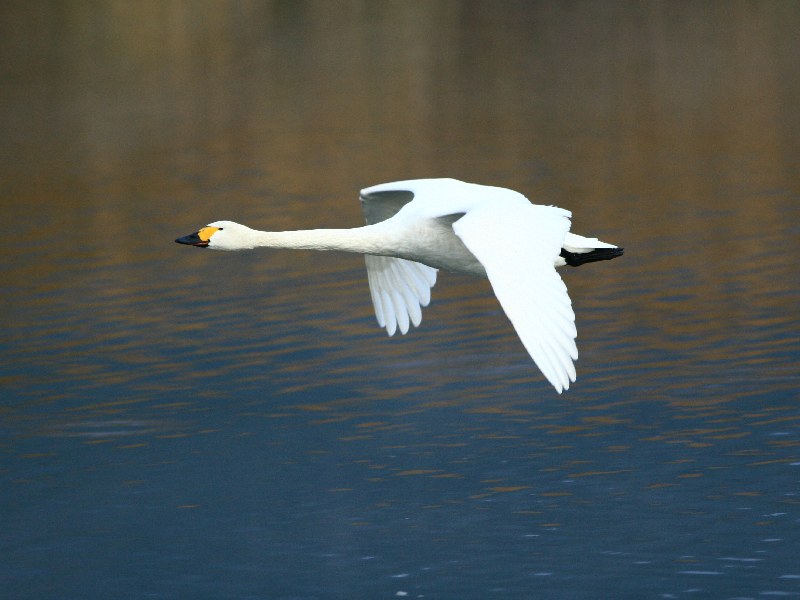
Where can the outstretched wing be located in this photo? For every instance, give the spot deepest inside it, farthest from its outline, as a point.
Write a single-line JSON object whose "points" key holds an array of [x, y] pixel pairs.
{"points": [[518, 245], [399, 287]]}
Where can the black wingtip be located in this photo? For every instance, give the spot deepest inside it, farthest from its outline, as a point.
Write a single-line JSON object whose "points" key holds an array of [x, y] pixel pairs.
{"points": [[575, 259]]}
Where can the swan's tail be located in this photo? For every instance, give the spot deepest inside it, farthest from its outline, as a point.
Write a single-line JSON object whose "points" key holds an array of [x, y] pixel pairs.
{"points": [[579, 250]]}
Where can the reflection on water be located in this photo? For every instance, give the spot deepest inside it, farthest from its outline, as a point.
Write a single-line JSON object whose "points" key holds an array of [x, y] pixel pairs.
{"points": [[178, 423]]}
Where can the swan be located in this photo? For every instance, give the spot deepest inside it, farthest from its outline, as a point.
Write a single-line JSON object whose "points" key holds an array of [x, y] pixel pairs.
{"points": [[414, 228]]}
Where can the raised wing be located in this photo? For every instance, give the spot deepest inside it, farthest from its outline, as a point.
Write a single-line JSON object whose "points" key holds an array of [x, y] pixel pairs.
{"points": [[517, 246], [399, 288]]}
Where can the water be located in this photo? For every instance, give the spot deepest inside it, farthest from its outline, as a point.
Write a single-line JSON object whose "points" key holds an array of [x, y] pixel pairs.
{"points": [[178, 423]]}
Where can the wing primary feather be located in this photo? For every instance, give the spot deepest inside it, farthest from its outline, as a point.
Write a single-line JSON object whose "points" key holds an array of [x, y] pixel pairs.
{"points": [[552, 357], [402, 301], [402, 294], [402, 280], [562, 346], [373, 278], [422, 285], [377, 302], [400, 312], [545, 363], [389, 313]]}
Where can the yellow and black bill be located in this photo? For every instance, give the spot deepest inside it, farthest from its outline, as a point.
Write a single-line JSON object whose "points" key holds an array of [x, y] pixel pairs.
{"points": [[198, 238]]}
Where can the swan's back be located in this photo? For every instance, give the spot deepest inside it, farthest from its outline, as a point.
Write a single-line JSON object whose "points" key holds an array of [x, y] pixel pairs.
{"points": [[433, 198]]}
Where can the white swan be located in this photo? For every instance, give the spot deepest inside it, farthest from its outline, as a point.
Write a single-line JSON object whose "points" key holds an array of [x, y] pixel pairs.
{"points": [[416, 227]]}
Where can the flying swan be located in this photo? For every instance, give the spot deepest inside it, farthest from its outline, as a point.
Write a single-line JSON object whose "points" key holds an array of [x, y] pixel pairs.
{"points": [[416, 227]]}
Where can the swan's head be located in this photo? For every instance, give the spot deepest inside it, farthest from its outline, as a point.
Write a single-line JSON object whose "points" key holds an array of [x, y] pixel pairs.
{"points": [[221, 235]]}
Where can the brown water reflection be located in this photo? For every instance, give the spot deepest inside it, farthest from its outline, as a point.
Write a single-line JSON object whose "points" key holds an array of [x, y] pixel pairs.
{"points": [[242, 423]]}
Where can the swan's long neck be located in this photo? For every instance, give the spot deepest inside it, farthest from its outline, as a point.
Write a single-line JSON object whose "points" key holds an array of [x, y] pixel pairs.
{"points": [[363, 240]]}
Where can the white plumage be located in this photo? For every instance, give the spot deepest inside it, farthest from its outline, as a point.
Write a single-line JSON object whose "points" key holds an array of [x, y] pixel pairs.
{"points": [[416, 227]]}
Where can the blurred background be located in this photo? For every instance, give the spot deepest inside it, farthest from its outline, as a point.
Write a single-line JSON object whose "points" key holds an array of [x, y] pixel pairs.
{"points": [[177, 423]]}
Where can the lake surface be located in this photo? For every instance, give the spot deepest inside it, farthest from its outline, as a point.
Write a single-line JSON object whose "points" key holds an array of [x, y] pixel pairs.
{"points": [[186, 424]]}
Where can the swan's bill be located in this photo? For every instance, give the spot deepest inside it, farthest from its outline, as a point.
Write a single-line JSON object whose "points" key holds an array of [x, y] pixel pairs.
{"points": [[199, 238]]}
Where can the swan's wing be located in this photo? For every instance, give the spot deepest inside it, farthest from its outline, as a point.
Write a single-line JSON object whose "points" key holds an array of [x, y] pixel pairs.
{"points": [[517, 246], [381, 205], [399, 289]]}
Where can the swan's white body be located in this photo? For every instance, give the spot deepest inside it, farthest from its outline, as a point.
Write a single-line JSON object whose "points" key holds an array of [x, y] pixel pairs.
{"points": [[416, 227]]}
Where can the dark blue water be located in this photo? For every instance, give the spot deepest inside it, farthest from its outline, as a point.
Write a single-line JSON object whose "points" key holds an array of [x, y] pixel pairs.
{"points": [[186, 424]]}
